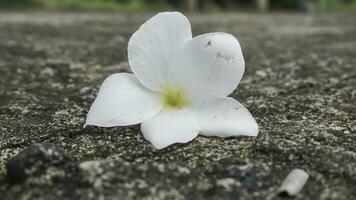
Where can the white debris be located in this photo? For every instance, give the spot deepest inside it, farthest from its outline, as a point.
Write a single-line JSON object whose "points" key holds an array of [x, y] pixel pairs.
{"points": [[294, 182]]}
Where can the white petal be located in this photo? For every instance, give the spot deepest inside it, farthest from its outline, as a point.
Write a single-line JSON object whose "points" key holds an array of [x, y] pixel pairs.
{"points": [[153, 46], [223, 117], [121, 101], [169, 127], [211, 63]]}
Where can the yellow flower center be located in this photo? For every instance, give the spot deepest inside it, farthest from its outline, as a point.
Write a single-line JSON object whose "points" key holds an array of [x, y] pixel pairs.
{"points": [[174, 98]]}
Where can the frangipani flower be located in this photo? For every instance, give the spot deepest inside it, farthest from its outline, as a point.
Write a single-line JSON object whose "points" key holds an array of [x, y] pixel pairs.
{"points": [[179, 85]]}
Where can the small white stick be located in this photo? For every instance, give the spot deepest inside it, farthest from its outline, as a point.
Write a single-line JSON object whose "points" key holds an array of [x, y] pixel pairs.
{"points": [[294, 182]]}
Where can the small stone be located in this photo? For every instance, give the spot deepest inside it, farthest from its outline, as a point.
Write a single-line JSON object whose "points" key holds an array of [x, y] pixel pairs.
{"points": [[228, 183], [261, 73], [34, 161], [88, 93], [47, 72]]}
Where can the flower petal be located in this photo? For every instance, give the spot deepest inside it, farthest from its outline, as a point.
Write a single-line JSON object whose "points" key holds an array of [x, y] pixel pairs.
{"points": [[121, 101], [211, 63], [169, 127], [153, 46], [224, 117]]}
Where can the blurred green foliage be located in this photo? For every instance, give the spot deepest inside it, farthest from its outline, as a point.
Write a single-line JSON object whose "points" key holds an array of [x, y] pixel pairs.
{"points": [[130, 5], [339, 5], [86, 4], [91, 4], [75, 4]]}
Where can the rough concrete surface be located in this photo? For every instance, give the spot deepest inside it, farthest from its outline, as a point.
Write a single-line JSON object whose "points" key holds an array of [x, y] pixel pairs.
{"points": [[299, 84]]}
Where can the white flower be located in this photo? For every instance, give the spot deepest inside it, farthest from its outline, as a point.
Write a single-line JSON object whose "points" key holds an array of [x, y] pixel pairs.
{"points": [[179, 87]]}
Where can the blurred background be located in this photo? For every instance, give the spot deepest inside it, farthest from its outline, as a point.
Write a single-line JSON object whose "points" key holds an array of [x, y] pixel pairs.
{"points": [[187, 5]]}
